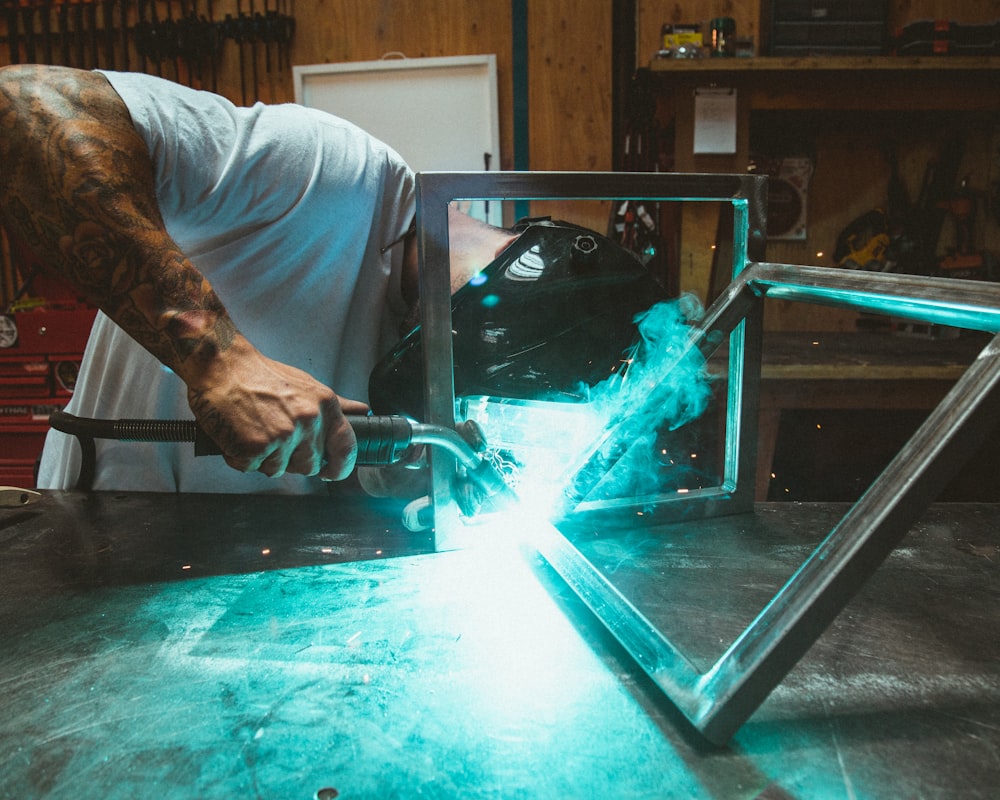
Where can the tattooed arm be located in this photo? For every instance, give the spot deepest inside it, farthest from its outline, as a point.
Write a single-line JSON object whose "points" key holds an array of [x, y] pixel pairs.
{"points": [[76, 184]]}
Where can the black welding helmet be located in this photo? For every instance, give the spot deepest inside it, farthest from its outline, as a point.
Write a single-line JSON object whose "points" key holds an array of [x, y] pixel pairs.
{"points": [[551, 316]]}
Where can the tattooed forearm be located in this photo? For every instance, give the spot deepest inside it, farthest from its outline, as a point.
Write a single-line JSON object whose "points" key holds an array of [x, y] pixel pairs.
{"points": [[76, 185]]}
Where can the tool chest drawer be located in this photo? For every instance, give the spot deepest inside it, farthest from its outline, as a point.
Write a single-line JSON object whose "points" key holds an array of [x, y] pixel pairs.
{"points": [[39, 365], [23, 426]]}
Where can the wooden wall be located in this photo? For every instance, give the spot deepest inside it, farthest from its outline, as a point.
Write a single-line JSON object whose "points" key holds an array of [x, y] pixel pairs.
{"points": [[569, 66], [569, 62], [569, 51]]}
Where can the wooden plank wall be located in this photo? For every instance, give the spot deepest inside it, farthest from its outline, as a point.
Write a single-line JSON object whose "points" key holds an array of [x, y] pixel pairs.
{"points": [[569, 67], [569, 62], [569, 59]]}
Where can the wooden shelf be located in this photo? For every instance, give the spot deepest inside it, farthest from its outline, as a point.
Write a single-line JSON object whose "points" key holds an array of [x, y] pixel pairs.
{"points": [[946, 64], [858, 83]]}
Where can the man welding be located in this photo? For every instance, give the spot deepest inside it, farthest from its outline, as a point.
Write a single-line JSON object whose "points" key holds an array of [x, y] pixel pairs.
{"points": [[246, 260]]}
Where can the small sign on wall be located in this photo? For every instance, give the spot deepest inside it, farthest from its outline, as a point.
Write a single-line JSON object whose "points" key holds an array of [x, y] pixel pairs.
{"points": [[787, 195]]}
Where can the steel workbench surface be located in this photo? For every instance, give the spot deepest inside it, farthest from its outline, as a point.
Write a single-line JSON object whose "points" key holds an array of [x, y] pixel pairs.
{"points": [[204, 646]]}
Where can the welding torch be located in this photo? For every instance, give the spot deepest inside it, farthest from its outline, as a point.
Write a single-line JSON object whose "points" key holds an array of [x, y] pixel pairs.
{"points": [[382, 441]]}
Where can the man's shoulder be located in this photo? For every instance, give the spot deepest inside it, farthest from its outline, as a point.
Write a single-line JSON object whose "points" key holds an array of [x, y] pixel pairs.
{"points": [[153, 89]]}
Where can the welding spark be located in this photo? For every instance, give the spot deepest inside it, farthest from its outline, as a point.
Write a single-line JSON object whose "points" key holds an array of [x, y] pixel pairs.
{"points": [[506, 465]]}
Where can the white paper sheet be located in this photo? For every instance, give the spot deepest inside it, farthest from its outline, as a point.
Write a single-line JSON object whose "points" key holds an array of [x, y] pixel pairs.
{"points": [[715, 121]]}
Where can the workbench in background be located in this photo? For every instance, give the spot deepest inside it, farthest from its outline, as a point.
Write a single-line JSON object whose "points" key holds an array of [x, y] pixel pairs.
{"points": [[836, 406], [225, 646]]}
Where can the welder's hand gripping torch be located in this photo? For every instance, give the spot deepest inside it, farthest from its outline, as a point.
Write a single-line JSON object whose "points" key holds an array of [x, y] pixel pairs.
{"points": [[382, 440]]}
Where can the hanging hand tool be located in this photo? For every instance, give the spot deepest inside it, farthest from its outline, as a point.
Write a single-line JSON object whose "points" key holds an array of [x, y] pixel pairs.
{"points": [[108, 17], [188, 45], [78, 36], [286, 30], [145, 39], [251, 27], [64, 32], [95, 41], [10, 12], [123, 25], [276, 28], [208, 41], [142, 37], [212, 30], [170, 35], [233, 29], [46, 24], [28, 18], [265, 30]]}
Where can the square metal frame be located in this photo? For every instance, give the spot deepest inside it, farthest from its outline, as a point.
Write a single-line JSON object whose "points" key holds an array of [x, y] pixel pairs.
{"points": [[747, 195], [719, 700]]}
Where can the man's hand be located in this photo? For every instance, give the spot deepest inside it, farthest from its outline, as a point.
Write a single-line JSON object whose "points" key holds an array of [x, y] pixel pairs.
{"points": [[269, 417]]}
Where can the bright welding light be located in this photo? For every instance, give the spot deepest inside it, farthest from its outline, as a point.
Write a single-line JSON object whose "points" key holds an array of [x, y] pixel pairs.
{"points": [[487, 602], [533, 444], [538, 446]]}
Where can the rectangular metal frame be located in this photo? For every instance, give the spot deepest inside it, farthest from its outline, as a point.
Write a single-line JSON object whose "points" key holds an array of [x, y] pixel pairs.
{"points": [[746, 194], [719, 700]]}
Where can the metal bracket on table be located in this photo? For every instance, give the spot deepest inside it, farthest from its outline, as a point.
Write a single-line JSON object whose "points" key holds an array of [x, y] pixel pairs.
{"points": [[717, 701]]}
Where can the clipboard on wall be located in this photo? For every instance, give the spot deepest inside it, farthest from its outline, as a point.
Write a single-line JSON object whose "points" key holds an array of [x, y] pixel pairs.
{"points": [[715, 121]]}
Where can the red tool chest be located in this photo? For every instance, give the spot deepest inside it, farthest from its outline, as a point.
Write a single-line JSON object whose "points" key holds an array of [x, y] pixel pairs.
{"points": [[39, 363]]}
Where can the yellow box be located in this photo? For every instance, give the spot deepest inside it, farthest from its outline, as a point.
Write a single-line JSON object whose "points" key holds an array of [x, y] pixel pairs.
{"points": [[682, 35]]}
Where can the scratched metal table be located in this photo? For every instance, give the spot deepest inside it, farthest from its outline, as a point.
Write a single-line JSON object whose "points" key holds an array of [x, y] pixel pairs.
{"points": [[216, 646]]}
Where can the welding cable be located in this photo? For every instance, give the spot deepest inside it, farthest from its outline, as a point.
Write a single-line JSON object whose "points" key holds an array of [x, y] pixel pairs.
{"points": [[86, 430]]}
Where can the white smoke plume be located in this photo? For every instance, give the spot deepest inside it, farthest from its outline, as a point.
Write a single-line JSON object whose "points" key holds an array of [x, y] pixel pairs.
{"points": [[663, 386]]}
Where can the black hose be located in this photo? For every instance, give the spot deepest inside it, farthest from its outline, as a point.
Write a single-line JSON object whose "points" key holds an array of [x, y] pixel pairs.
{"points": [[128, 430], [86, 430]]}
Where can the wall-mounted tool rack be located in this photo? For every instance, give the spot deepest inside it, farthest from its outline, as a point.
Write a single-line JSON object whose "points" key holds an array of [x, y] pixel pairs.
{"points": [[183, 40]]}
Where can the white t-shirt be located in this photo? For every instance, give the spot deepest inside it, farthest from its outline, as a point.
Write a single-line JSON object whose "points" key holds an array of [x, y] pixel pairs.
{"points": [[287, 211]]}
